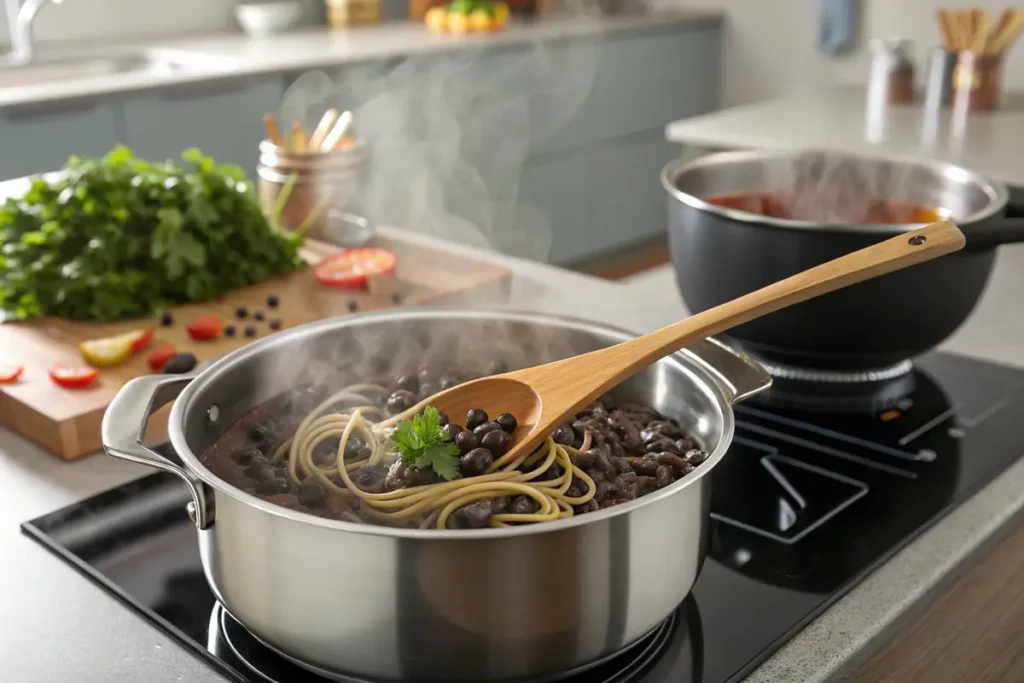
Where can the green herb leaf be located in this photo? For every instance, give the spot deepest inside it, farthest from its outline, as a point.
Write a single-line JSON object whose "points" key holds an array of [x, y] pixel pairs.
{"points": [[422, 442], [119, 237], [443, 458]]}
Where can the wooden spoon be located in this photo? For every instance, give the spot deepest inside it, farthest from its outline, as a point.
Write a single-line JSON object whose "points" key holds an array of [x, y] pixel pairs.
{"points": [[545, 396]]}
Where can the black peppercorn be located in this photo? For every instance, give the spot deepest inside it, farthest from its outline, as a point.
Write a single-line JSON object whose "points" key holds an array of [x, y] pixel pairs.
{"points": [[275, 324], [273, 301], [250, 331], [179, 364], [229, 331], [166, 319], [353, 306], [258, 316], [241, 312]]}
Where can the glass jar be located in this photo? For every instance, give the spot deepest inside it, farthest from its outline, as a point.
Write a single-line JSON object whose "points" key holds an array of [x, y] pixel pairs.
{"points": [[318, 194]]}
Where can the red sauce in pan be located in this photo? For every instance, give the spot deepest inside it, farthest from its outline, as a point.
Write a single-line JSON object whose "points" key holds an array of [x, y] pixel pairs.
{"points": [[822, 208]]}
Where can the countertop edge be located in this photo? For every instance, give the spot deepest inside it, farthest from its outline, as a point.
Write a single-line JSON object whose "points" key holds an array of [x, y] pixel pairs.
{"points": [[835, 644], [52, 96]]}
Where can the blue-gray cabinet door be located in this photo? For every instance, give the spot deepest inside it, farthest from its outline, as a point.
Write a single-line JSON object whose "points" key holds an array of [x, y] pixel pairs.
{"points": [[624, 190], [554, 189], [36, 140], [224, 119]]}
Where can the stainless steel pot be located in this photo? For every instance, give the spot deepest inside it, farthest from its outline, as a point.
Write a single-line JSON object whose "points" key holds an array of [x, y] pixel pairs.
{"points": [[368, 602]]}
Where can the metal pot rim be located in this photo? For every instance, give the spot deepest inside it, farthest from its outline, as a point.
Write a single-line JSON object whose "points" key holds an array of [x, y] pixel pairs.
{"points": [[209, 374], [997, 192]]}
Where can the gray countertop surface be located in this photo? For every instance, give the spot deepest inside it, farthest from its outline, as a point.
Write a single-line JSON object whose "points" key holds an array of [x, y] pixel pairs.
{"points": [[839, 118], [235, 56], [57, 626]]}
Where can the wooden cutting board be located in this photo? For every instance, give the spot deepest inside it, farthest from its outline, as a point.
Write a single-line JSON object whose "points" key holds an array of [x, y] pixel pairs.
{"points": [[67, 422]]}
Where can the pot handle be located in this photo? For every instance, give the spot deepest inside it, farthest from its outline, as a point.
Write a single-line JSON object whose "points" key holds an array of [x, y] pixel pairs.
{"points": [[739, 375], [124, 425], [994, 232]]}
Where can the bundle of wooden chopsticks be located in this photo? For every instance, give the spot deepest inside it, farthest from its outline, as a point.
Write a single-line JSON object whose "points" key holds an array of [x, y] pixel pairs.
{"points": [[973, 29], [330, 134]]}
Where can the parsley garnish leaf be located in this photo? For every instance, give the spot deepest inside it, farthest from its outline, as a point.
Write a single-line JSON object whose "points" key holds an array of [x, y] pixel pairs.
{"points": [[422, 442]]}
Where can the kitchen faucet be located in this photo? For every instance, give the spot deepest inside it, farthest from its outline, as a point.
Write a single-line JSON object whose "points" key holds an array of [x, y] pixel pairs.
{"points": [[22, 48]]}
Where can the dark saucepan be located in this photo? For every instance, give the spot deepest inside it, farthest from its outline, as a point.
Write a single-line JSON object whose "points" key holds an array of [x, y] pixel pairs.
{"points": [[723, 252]]}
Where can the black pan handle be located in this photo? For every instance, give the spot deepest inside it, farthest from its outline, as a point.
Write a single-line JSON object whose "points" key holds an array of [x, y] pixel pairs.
{"points": [[993, 232]]}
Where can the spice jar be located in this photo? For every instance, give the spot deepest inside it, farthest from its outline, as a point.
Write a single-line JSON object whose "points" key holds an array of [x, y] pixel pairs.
{"points": [[346, 13], [977, 81], [892, 73], [309, 191]]}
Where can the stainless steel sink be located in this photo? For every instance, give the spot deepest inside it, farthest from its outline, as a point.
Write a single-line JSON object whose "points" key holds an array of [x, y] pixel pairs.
{"points": [[48, 70]]}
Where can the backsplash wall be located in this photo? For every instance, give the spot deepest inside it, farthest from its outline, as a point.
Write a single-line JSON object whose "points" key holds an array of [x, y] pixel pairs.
{"points": [[770, 45]]}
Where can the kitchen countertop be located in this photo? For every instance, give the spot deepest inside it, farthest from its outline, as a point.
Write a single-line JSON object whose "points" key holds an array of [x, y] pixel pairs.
{"points": [[837, 118], [233, 56], [57, 626]]}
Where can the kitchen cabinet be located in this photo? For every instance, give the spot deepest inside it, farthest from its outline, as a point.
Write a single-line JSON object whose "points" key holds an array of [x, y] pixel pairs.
{"points": [[224, 119], [34, 140], [625, 193], [556, 187]]}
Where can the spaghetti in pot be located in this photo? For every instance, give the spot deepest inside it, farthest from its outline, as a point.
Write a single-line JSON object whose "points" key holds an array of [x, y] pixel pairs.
{"points": [[430, 504], [345, 454]]}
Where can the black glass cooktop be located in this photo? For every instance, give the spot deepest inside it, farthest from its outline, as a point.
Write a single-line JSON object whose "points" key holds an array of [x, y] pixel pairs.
{"points": [[805, 505]]}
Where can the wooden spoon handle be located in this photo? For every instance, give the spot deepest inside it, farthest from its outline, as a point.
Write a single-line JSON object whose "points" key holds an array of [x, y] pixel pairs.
{"points": [[603, 369], [893, 254]]}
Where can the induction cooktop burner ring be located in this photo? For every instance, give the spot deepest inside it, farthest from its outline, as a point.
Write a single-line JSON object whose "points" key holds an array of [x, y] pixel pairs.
{"points": [[798, 374], [276, 667]]}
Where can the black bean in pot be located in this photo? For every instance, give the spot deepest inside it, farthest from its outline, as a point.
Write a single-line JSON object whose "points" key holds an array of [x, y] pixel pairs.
{"points": [[507, 421], [409, 383], [473, 516], [661, 445], [466, 441], [400, 401], [590, 506], [247, 456], [260, 470], [311, 494], [676, 462], [696, 456], [257, 433], [492, 426], [522, 505], [453, 430], [449, 380], [427, 389], [475, 418], [476, 462], [442, 419], [663, 476], [369, 480], [563, 435], [574, 491], [684, 445], [496, 441]]}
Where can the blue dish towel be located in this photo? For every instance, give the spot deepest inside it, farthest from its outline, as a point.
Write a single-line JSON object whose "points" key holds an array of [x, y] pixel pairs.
{"points": [[837, 24]]}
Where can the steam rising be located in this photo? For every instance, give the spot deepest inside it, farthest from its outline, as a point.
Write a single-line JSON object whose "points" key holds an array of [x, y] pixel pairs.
{"points": [[449, 135]]}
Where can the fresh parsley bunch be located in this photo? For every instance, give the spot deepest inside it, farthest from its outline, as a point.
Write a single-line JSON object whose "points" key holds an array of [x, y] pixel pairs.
{"points": [[422, 442], [118, 237]]}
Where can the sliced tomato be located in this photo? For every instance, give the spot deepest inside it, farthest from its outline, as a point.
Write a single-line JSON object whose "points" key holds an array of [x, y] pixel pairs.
{"points": [[109, 351], [205, 327], [73, 378], [159, 356], [142, 341], [350, 268], [9, 373]]}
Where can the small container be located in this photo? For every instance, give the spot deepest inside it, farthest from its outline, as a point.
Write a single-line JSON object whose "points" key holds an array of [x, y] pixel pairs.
{"points": [[938, 89], [977, 81], [342, 14], [892, 72], [311, 191]]}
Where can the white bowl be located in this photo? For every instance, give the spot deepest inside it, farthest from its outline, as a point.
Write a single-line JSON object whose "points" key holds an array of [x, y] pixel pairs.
{"points": [[268, 18]]}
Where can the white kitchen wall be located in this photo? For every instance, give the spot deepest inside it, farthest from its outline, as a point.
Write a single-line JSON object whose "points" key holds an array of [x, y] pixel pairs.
{"points": [[770, 45]]}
